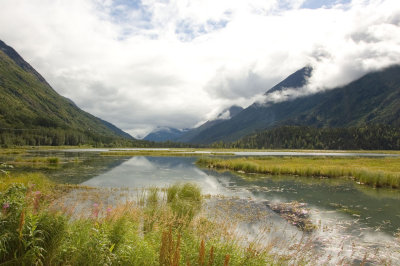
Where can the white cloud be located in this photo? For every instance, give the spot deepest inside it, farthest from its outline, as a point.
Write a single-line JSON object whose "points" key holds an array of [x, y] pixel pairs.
{"points": [[174, 63]]}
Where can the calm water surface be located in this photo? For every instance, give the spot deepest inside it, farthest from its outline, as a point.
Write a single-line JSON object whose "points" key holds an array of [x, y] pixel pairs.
{"points": [[365, 215], [251, 153], [377, 208]]}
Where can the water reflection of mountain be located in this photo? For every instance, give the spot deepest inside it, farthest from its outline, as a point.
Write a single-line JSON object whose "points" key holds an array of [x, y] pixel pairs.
{"points": [[172, 162]]}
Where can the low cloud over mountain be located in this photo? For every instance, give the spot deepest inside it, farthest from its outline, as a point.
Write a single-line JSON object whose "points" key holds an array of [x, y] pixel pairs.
{"points": [[142, 64]]}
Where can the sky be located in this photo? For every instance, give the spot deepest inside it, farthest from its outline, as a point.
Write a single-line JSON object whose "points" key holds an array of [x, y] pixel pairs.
{"points": [[142, 64]]}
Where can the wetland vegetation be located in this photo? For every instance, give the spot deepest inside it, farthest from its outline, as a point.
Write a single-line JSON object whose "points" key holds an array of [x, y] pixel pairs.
{"points": [[129, 210], [146, 231], [377, 172]]}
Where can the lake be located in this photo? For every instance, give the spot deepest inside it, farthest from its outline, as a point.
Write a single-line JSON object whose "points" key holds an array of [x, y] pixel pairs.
{"points": [[347, 214]]}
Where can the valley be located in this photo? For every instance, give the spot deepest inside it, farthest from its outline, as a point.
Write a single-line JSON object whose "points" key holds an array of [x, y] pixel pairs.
{"points": [[211, 154]]}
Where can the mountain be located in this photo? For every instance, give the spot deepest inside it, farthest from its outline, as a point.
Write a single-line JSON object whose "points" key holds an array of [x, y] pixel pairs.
{"points": [[191, 135], [116, 130], [165, 134], [33, 113], [372, 99], [296, 80], [184, 135], [229, 112]]}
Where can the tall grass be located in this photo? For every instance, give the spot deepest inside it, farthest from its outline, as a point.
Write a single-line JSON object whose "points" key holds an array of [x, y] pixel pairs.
{"points": [[32, 181], [184, 200], [377, 172], [158, 232]]}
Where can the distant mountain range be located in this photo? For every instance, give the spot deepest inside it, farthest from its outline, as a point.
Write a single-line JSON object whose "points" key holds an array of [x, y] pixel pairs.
{"points": [[372, 99], [163, 134], [185, 135], [33, 113]]}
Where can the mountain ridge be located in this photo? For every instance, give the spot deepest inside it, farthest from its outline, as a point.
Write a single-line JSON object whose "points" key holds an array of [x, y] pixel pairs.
{"points": [[297, 79], [374, 98]]}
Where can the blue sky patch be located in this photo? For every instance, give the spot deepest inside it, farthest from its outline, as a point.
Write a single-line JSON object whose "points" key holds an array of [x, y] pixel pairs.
{"points": [[131, 15], [187, 30], [314, 4], [122, 10]]}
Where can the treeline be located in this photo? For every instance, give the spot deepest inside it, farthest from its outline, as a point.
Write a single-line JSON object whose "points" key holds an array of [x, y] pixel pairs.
{"points": [[57, 137], [68, 137], [368, 137]]}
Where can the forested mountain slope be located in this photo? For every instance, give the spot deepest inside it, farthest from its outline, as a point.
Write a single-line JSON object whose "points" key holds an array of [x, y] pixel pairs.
{"points": [[33, 113], [373, 99]]}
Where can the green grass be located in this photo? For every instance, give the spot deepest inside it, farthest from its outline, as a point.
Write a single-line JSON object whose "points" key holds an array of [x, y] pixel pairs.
{"points": [[31, 163], [34, 181], [229, 150], [377, 172], [14, 151], [185, 200], [36, 160], [158, 232]]}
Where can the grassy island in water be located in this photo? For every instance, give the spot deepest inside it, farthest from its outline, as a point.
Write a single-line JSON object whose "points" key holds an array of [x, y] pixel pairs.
{"points": [[377, 172]]}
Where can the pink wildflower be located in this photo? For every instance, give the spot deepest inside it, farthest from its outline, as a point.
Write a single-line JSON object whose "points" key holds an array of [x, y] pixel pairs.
{"points": [[5, 207], [96, 210]]}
